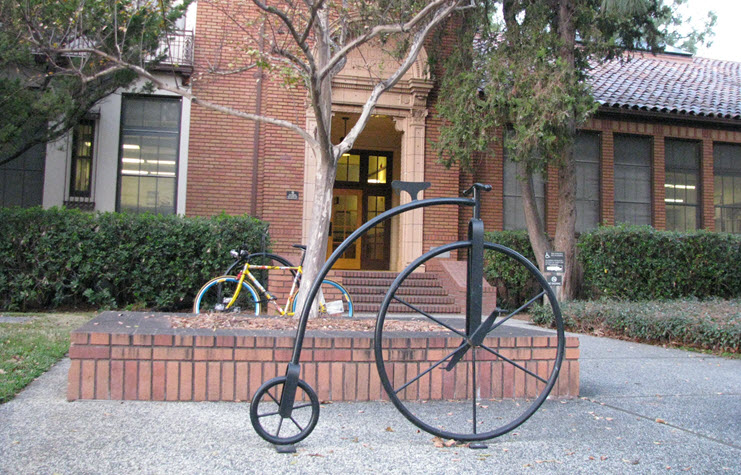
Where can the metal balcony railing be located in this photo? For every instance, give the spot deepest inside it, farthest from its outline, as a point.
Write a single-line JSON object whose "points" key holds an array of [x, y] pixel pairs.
{"points": [[176, 51]]}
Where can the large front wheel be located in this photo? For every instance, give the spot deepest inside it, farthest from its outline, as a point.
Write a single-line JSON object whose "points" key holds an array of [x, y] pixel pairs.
{"points": [[217, 294], [487, 387]]}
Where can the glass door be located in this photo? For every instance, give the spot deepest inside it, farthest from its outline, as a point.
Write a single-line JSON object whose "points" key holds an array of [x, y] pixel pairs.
{"points": [[347, 214]]}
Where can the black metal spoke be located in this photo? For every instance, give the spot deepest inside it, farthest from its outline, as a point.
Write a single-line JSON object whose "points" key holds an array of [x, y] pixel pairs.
{"points": [[296, 423], [268, 414], [280, 424], [420, 375], [273, 398], [422, 312], [473, 388], [301, 406], [514, 364], [522, 307]]}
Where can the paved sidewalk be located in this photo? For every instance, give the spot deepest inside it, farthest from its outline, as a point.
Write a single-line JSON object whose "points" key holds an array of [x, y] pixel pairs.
{"points": [[643, 410]]}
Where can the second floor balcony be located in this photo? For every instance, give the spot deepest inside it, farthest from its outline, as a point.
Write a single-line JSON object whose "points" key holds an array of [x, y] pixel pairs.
{"points": [[176, 52]]}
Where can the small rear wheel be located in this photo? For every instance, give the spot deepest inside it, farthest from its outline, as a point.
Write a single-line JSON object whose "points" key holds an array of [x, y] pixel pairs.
{"points": [[215, 295], [487, 388], [293, 426]]}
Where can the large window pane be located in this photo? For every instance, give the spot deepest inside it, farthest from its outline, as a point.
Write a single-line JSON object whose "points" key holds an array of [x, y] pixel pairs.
{"points": [[727, 171], [682, 185], [22, 179], [632, 179], [514, 214], [149, 154], [586, 155], [83, 137]]}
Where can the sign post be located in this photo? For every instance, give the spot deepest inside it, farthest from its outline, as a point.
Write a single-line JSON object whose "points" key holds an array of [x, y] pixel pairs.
{"points": [[555, 262]]}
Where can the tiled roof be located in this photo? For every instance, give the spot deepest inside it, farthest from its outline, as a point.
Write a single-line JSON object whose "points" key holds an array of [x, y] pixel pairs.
{"points": [[677, 85]]}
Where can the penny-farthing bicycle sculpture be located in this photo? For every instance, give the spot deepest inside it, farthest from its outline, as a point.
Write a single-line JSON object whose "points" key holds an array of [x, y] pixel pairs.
{"points": [[493, 392]]}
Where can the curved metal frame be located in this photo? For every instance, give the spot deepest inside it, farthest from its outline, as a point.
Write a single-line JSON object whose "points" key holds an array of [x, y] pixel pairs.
{"points": [[358, 233], [474, 326]]}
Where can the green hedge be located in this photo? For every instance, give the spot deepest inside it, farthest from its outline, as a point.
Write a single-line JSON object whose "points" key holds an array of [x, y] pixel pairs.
{"points": [[513, 283], [713, 324], [59, 257], [640, 263]]}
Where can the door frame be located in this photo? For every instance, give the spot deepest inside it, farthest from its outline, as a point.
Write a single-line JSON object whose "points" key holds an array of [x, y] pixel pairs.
{"points": [[368, 189]]}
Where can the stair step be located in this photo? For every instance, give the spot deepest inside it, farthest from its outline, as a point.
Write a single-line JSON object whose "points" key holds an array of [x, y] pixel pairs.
{"points": [[403, 290], [401, 308], [363, 282], [385, 275], [412, 299]]}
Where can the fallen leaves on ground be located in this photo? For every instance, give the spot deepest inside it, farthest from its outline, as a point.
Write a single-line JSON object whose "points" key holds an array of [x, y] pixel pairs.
{"points": [[218, 321]]}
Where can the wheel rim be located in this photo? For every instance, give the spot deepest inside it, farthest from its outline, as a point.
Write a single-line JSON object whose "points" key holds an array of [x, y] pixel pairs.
{"points": [[333, 292], [483, 381], [220, 290], [273, 427]]}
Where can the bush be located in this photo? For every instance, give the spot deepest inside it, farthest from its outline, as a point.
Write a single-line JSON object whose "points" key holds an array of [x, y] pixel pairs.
{"points": [[640, 263], [59, 257], [713, 324], [513, 282]]}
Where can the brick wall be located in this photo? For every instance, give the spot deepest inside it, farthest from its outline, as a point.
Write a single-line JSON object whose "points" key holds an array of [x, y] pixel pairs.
{"points": [[151, 365], [607, 128]]}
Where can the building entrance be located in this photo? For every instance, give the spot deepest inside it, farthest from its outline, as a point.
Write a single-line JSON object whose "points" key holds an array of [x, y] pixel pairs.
{"points": [[362, 191]]}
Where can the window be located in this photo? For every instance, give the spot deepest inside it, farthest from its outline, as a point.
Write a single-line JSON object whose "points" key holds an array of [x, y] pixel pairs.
{"points": [[348, 168], [727, 171], [514, 214], [22, 179], [682, 185], [587, 156], [81, 173], [150, 134], [632, 179]]}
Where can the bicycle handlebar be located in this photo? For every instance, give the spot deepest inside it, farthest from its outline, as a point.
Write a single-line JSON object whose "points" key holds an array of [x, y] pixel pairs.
{"points": [[477, 186]]}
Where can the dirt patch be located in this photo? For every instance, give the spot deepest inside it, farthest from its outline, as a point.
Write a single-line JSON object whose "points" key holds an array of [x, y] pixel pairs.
{"points": [[221, 321]]}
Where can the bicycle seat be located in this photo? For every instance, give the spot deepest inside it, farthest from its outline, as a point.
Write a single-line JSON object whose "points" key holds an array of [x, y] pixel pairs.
{"points": [[411, 187], [299, 246]]}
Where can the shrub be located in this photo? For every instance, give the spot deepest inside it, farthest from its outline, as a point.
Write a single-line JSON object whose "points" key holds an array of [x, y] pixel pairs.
{"points": [[713, 324], [59, 257], [640, 263], [510, 278]]}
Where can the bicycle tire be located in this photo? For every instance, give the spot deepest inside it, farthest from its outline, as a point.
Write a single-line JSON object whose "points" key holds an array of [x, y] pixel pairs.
{"points": [[219, 290], [510, 392], [333, 292], [269, 424]]}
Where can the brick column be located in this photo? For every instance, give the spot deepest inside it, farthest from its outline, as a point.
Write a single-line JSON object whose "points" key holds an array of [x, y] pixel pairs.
{"points": [[607, 179], [551, 200], [708, 183], [659, 178]]}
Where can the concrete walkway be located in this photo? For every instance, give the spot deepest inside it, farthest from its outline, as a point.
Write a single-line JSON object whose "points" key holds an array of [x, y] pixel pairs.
{"points": [[643, 410]]}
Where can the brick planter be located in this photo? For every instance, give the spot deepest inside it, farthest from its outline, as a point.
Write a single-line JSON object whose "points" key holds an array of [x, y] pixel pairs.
{"points": [[137, 356]]}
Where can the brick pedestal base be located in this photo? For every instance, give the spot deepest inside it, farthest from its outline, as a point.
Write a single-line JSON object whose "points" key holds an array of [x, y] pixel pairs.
{"points": [[137, 356]]}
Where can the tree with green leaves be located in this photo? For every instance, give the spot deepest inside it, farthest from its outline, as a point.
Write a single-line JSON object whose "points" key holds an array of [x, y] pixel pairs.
{"points": [[527, 72], [47, 84], [305, 42]]}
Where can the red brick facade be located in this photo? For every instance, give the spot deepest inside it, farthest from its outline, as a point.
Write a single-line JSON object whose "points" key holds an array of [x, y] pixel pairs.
{"points": [[223, 150]]}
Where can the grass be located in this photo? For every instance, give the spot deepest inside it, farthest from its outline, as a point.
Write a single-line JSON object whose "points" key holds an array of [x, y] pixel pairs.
{"points": [[29, 349]]}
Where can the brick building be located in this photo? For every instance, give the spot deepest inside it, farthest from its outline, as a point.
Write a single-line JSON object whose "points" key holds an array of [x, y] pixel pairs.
{"points": [[663, 149]]}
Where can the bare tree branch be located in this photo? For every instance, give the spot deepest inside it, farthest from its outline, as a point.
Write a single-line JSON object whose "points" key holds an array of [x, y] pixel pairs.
{"points": [[387, 29]]}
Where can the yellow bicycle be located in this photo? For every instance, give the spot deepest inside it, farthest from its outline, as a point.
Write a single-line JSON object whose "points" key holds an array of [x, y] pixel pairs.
{"points": [[244, 293]]}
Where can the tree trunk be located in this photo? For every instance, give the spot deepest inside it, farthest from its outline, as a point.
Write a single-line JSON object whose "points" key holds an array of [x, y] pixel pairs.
{"points": [[321, 101], [535, 229], [565, 239]]}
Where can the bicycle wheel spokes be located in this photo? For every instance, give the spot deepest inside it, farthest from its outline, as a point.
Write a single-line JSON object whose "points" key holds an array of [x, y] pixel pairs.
{"points": [[287, 428], [333, 300], [493, 386]]}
